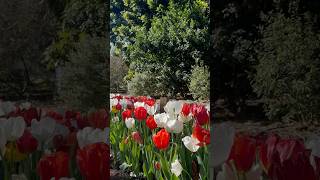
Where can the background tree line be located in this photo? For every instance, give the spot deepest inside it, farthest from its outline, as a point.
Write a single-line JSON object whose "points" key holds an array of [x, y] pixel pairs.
{"points": [[58, 47], [267, 50]]}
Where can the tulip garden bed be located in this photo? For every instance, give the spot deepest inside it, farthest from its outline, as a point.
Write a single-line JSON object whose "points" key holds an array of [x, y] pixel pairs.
{"points": [[52, 143], [151, 145], [266, 151]]}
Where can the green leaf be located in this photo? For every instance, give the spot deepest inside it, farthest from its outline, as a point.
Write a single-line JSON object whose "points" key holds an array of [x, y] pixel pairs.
{"points": [[121, 146], [200, 162], [145, 173]]}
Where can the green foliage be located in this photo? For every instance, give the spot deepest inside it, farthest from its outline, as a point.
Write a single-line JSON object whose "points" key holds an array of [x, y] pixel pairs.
{"points": [[168, 44], [118, 71], [84, 79], [288, 73], [199, 85], [78, 18], [146, 84]]}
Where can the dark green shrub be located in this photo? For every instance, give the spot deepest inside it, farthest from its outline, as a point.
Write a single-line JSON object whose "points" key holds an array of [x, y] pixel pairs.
{"points": [[199, 85], [288, 74], [84, 82], [146, 84]]}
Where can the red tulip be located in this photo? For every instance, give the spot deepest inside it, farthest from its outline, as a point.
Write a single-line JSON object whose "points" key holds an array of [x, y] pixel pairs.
{"points": [[82, 121], [142, 98], [54, 165], [93, 161], [59, 142], [201, 115], [126, 114], [140, 113], [203, 135], [243, 152], [27, 143], [186, 109], [266, 151], [287, 148], [98, 119], [317, 162], [150, 102], [56, 116], [136, 137], [118, 107], [130, 104], [29, 115], [296, 168], [161, 139], [119, 97], [70, 115], [151, 123], [64, 144]]}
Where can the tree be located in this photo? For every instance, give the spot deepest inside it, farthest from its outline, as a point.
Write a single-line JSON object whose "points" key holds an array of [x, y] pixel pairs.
{"points": [[78, 18], [288, 72], [85, 82], [27, 27], [169, 44]]}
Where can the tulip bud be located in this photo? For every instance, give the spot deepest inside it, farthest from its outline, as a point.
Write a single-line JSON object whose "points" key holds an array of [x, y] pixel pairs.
{"points": [[157, 165], [136, 137]]}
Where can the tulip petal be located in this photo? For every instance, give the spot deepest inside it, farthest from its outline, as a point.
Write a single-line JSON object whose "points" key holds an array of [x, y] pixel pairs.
{"points": [[222, 141]]}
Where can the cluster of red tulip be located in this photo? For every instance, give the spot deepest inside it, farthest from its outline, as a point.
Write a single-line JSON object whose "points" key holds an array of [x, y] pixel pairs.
{"points": [[279, 159], [177, 137], [38, 143]]}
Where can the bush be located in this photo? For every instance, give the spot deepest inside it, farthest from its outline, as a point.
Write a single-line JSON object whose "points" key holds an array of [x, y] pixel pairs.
{"points": [[199, 85], [288, 75], [145, 84], [84, 82]]}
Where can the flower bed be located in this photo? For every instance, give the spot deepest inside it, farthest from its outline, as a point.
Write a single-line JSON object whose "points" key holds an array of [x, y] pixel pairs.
{"points": [[262, 156], [38, 143], [169, 145]]}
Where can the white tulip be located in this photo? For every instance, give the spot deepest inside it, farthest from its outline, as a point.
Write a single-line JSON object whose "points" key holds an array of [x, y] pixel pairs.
{"points": [[88, 135], [191, 143], [115, 119], [254, 173], [139, 104], [61, 130], [185, 118], [18, 177], [6, 107], [113, 102], [107, 131], [26, 105], [43, 130], [208, 107], [173, 108], [176, 168], [222, 141], [123, 103], [229, 173], [174, 126], [314, 144], [14, 128], [161, 119], [129, 122], [151, 110]]}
